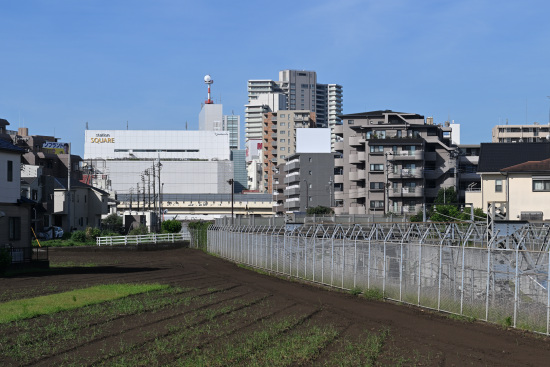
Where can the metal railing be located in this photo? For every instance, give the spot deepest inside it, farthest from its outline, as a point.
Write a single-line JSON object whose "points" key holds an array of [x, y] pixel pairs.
{"points": [[455, 268], [139, 239]]}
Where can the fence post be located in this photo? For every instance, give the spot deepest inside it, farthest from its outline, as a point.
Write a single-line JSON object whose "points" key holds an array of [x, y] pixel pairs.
{"points": [[439, 277], [488, 282], [401, 273], [516, 287], [384, 270], [368, 268], [419, 271], [343, 258], [355, 263], [548, 296], [462, 280]]}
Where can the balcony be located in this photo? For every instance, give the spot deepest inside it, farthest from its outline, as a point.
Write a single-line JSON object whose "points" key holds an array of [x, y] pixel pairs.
{"points": [[407, 192], [338, 195], [292, 191], [406, 155], [356, 141], [339, 162], [359, 192], [357, 157], [292, 166], [338, 179], [338, 210], [357, 175], [405, 173], [339, 130], [339, 146], [357, 210]]}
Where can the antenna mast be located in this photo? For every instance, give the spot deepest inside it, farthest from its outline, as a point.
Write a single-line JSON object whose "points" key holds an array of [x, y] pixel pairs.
{"points": [[208, 80]]}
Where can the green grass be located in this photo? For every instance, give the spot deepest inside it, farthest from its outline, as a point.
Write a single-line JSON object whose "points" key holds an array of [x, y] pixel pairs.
{"points": [[363, 353], [43, 305], [355, 291], [373, 294]]}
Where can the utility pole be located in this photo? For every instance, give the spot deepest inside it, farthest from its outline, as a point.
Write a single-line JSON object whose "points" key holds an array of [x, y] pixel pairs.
{"points": [[138, 197], [232, 183], [154, 193], [160, 196], [148, 174]]}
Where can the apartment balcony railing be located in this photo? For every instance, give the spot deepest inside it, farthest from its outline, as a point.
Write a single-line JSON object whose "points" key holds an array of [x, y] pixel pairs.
{"points": [[357, 175], [407, 192], [406, 155], [405, 173], [356, 158]]}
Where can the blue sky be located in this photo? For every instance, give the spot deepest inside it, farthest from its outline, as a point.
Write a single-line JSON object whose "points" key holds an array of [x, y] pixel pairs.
{"points": [[64, 63]]}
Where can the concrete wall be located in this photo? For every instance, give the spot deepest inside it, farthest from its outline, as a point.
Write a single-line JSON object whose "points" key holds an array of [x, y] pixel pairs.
{"points": [[10, 190]]}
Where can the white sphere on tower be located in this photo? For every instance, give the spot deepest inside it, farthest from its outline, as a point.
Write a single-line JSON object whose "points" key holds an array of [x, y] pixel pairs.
{"points": [[208, 79]]}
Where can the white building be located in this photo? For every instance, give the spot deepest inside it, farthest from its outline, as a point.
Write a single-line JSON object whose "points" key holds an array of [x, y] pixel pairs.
{"points": [[192, 162], [210, 117]]}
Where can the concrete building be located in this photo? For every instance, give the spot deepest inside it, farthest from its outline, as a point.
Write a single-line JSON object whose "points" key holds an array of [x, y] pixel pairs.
{"points": [[535, 133], [211, 117], [391, 162], [308, 181], [280, 138], [468, 178], [232, 124], [239, 170]]}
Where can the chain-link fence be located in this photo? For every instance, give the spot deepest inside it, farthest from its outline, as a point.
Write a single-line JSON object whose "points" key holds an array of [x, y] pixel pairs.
{"points": [[442, 268]]}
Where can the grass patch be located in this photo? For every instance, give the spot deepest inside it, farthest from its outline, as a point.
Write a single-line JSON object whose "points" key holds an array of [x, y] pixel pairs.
{"points": [[363, 353], [43, 305], [373, 294], [355, 291]]}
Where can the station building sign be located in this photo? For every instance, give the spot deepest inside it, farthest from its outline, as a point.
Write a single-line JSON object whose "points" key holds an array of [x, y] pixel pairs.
{"points": [[101, 138]]}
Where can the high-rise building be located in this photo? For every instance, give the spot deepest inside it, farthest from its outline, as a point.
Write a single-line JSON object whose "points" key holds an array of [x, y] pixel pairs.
{"points": [[280, 139], [301, 92]]}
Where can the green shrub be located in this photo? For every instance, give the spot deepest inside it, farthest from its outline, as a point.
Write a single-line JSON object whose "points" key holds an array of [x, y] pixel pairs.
{"points": [[113, 223], [171, 226], [92, 233], [79, 236], [142, 229], [199, 233], [5, 260]]}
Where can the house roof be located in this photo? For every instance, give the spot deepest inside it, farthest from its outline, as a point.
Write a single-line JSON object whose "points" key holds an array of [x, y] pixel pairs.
{"points": [[531, 166], [7, 146], [61, 184], [494, 157]]}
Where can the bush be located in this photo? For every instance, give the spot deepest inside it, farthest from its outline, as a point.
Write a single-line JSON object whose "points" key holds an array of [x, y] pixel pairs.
{"points": [[319, 210], [5, 260], [92, 233], [79, 236], [142, 229], [199, 234], [171, 226]]}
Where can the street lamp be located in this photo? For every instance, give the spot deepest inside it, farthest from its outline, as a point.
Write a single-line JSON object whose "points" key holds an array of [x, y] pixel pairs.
{"points": [[232, 183]]}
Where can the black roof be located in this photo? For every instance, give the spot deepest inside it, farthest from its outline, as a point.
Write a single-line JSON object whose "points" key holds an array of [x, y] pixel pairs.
{"points": [[6, 145], [493, 157]]}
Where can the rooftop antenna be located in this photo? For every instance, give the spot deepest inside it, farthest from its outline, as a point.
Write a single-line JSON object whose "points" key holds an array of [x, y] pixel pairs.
{"points": [[185, 125], [208, 80], [126, 124], [86, 125]]}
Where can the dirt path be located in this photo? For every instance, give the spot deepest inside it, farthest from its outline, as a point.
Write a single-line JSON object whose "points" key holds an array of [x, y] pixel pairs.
{"points": [[423, 337]]}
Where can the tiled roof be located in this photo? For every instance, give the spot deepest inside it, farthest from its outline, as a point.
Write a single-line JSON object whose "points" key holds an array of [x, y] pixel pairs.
{"points": [[531, 166], [494, 157], [6, 145]]}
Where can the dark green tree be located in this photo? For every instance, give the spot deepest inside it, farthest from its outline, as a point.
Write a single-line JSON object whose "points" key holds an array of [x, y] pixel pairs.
{"points": [[112, 222], [171, 226]]}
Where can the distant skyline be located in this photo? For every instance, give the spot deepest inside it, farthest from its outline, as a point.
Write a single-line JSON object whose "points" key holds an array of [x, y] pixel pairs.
{"points": [[65, 63]]}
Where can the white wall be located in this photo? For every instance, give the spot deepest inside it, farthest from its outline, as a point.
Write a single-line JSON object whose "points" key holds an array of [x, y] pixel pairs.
{"points": [[10, 191], [210, 117], [164, 143], [313, 140]]}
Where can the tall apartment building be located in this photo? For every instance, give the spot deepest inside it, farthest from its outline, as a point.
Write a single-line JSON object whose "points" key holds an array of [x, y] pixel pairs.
{"points": [[280, 139], [535, 133], [391, 162], [301, 91], [231, 124]]}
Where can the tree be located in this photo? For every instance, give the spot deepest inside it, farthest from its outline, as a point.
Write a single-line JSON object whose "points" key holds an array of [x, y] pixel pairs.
{"points": [[171, 226], [319, 210], [112, 222]]}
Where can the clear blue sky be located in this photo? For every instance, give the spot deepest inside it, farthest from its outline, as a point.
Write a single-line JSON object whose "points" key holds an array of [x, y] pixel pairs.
{"points": [[64, 63]]}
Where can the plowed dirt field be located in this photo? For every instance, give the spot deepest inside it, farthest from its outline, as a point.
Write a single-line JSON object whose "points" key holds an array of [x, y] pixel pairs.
{"points": [[216, 313]]}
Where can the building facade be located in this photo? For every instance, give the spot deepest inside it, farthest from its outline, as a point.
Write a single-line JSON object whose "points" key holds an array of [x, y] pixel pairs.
{"points": [[535, 133], [391, 162], [308, 181], [279, 137]]}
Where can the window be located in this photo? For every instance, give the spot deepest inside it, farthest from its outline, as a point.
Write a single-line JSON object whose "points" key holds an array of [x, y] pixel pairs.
{"points": [[282, 124], [282, 148], [310, 173], [498, 185], [282, 115], [376, 167], [282, 140], [377, 149], [377, 186], [310, 159], [541, 184], [375, 204], [10, 171], [351, 122], [14, 229]]}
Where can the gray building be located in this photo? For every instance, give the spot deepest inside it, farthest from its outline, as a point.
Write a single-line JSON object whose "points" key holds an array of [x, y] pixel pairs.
{"points": [[391, 162], [239, 170], [308, 181]]}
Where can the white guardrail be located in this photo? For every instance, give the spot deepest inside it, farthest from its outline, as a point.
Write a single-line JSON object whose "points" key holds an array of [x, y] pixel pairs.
{"points": [[145, 238]]}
